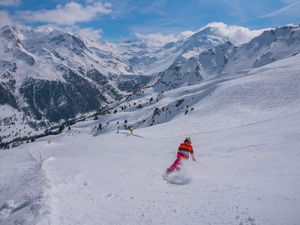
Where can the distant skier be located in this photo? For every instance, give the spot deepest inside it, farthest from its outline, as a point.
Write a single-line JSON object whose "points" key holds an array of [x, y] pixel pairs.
{"points": [[185, 149], [130, 128], [99, 128]]}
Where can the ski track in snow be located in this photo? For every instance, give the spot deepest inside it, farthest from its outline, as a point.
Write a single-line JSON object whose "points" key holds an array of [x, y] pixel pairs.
{"points": [[21, 188]]}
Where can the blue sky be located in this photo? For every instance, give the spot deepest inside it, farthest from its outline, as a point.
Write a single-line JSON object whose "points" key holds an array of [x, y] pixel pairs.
{"points": [[123, 19]]}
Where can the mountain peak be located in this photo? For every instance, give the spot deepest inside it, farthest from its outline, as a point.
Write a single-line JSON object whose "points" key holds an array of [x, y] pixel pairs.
{"points": [[236, 34]]}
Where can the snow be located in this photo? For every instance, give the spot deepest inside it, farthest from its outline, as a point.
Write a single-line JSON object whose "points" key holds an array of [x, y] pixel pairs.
{"points": [[190, 54], [13, 123], [223, 58], [21, 188], [245, 130], [50, 48], [149, 59]]}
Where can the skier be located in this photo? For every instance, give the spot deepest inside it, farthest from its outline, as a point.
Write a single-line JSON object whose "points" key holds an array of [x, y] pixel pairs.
{"points": [[130, 128], [99, 127], [184, 150]]}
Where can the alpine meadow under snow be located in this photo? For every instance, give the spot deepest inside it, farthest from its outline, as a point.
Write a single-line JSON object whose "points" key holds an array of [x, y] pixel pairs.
{"points": [[237, 97]]}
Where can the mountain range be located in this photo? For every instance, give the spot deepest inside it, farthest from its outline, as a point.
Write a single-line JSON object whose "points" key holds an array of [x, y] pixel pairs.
{"points": [[49, 76]]}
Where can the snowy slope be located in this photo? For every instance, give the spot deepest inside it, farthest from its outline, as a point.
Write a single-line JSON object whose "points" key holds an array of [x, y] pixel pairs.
{"points": [[149, 107], [245, 130]]}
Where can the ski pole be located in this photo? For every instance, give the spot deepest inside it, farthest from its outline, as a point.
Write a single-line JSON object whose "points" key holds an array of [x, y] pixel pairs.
{"points": [[203, 166]]}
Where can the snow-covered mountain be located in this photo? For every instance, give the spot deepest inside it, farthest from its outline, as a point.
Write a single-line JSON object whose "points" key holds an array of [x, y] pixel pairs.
{"points": [[48, 75], [269, 47], [148, 58], [227, 58]]}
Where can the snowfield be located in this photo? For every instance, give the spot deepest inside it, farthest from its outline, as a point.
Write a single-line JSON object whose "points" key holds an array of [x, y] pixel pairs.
{"points": [[246, 131]]}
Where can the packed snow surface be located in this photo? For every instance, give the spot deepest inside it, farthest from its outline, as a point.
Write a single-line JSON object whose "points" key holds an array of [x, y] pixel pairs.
{"points": [[246, 139]]}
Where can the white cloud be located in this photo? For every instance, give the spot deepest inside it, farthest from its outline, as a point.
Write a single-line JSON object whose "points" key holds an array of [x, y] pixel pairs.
{"points": [[185, 34], [91, 34], [5, 19], [236, 34], [156, 39], [69, 14], [9, 2]]}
